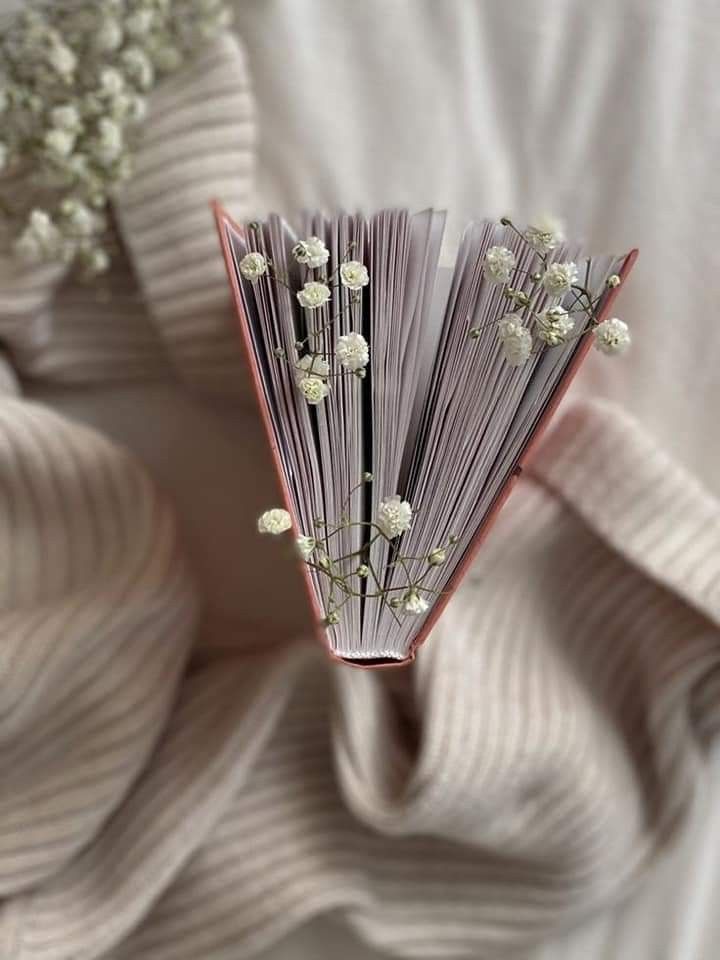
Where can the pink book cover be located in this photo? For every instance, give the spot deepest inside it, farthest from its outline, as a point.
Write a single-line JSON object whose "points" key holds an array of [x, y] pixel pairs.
{"points": [[225, 226]]}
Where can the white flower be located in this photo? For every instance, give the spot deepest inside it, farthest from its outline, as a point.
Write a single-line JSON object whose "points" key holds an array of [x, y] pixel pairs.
{"points": [[66, 117], [555, 325], [363, 571], [138, 67], [559, 277], [354, 275], [499, 263], [3, 156], [252, 266], [78, 218], [437, 557], [112, 83], [274, 521], [414, 603], [40, 240], [96, 261], [352, 351], [61, 58], [612, 336], [312, 252], [313, 295], [314, 389], [394, 516], [545, 234], [613, 280], [305, 546], [129, 106], [139, 23], [515, 338], [109, 144], [166, 57], [59, 143], [108, 36], [311, 365]]}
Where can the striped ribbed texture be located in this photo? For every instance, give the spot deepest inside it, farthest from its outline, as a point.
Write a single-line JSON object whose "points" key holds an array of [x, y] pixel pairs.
{"points": [[164, 309], [520, 775]]}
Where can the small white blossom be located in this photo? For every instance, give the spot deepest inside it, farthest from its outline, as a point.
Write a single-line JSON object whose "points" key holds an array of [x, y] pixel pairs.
{"points": [[109, 35], [62, 59], [363, 571], [139, 23], [166, 57], [253, 266], [313, 295], [59, 143], [96, 261], [613, 280], [111, 83], [515, 338], [354, 275], [437, 557], [305, 546], [274, 521], [311, 365], [352, 351], [78, 218], [415, 604], [311, 252], [499, 264], [138, 67], [612, 336], [66, 117], [130, 107], [545, 234], [555, 325], [109, 143], [394, 516], [559, 277], [314, 389], [40, 240]]}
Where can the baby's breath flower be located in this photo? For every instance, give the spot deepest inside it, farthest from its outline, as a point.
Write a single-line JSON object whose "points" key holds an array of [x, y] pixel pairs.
{"points": [[559, 277], [139, 23], [437, 557], [62, 59], [363, 571], [555, 325], [109, 144], [332, 618], [394, 516], [59, 143], [252, 266], [515, 338], [367, 477], [354, 275], [545, 234], [612, 336], [138, 67], [311, 252], [352, 351], [111, 83], [499, 264], [305, 547], [613, 280], [314, 389], [413, 603], [66, 117], [311, 364], [40, 240], [313, 295], [108, 35], [96, 261], [79, 219], [274, 521]]}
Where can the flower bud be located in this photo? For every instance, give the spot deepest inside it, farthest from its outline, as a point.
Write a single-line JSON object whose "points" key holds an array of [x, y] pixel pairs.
{"points": [[437, 557]]}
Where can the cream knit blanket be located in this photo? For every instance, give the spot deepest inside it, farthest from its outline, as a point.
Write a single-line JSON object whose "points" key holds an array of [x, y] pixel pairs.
{"points": [[166, 799]]}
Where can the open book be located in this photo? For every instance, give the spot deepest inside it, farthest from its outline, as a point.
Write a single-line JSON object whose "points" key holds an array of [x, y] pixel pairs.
{"points": [[400, 400]]}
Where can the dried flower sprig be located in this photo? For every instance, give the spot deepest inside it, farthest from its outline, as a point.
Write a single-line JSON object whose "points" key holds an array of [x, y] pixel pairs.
{"points": [[74, 81], [353, 574], [312, 369], [524, 330]]}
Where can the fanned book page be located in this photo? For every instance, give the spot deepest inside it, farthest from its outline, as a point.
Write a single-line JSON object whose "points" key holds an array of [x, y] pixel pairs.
{"points": [[400, 399]]}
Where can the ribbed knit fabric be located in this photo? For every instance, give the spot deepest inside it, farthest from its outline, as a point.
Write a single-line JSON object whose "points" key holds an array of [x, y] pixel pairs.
{"points": [[164, 803]]}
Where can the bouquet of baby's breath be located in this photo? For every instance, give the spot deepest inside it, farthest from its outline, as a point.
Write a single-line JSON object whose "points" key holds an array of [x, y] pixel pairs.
{"points": [[74, 81]]}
